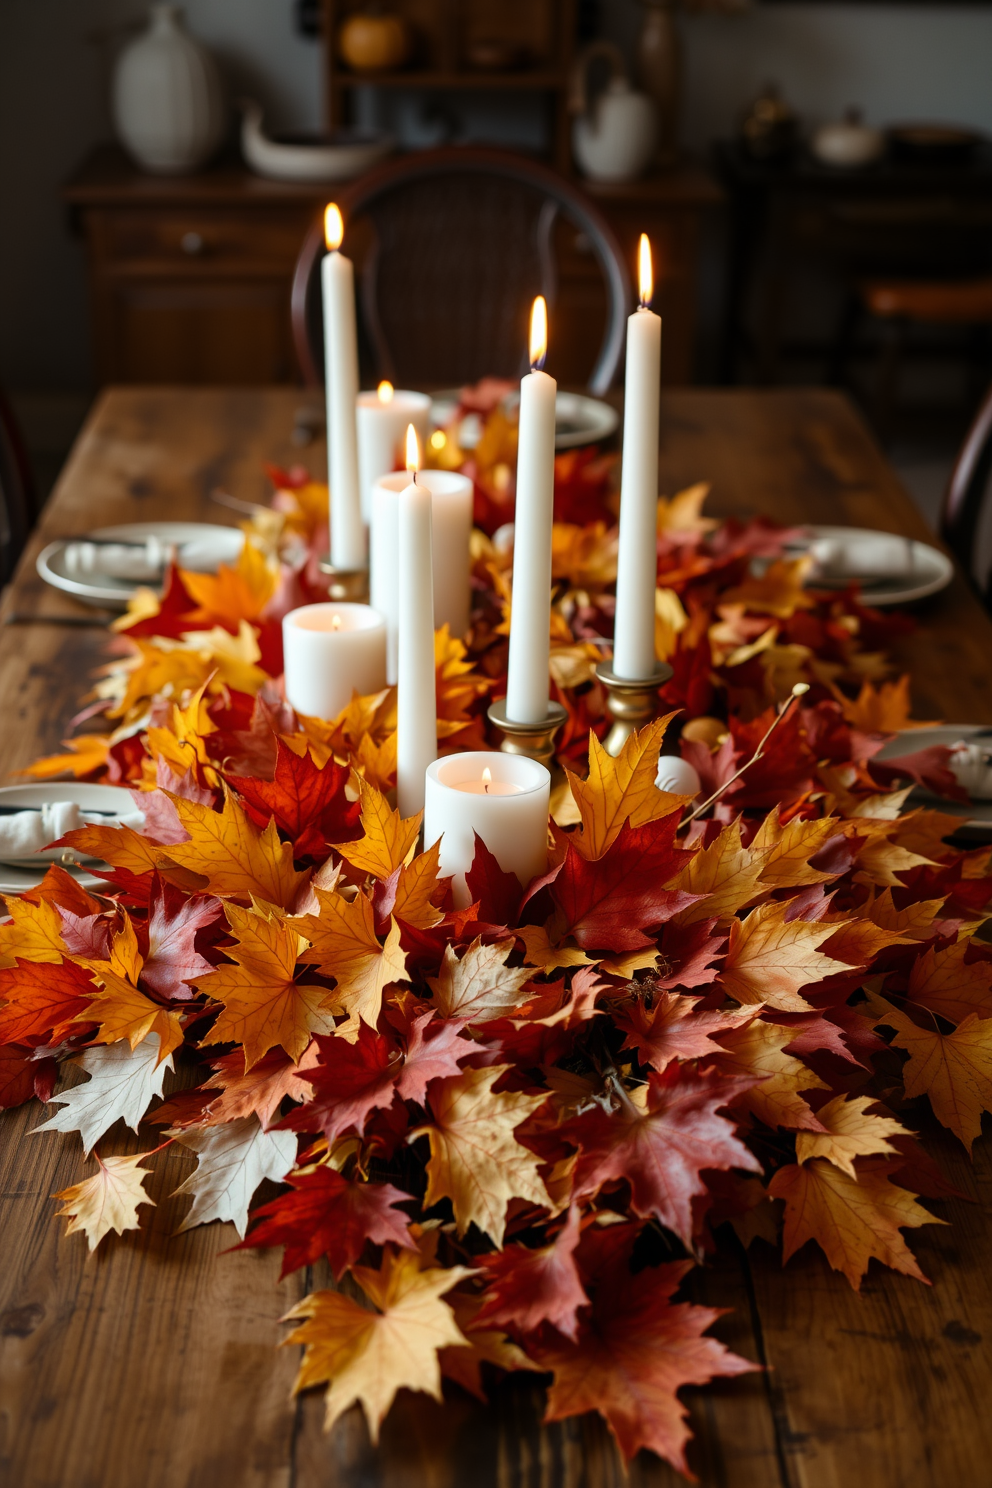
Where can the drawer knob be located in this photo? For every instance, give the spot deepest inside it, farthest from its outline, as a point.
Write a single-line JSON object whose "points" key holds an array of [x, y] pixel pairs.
{"points": [[192, 243]]}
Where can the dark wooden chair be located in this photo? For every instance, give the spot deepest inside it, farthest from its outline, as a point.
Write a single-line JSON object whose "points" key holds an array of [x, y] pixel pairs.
{"points": [[968, 500], [18, 506], [451, 246]]}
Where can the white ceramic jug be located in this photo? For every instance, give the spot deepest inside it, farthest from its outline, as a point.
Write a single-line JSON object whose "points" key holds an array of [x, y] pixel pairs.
{"points": [[614, 136], [168, 102]]}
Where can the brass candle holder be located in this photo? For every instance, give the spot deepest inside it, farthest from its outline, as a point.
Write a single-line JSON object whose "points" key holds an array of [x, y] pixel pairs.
{"points": [[631, 702], [349, 585], [535, 740]]}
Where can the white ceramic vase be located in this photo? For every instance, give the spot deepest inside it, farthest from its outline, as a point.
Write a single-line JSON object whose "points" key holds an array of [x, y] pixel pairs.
{"points": [[168, 102]]}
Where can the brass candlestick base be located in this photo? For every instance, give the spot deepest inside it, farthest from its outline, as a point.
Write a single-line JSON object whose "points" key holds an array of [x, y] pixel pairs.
{"points": [[535, 740], [631, 703], [346, 584]]}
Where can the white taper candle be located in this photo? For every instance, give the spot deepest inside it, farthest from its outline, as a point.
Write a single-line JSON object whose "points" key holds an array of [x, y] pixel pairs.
{"points": [[416, 701], [530, 620], [637, 563], [337, 280]]}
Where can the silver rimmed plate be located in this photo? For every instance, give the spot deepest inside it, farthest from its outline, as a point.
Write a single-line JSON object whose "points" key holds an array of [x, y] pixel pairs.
{"points": [[579, 419], [929, 570], [17, 878], [976, 814], [200, 547]]}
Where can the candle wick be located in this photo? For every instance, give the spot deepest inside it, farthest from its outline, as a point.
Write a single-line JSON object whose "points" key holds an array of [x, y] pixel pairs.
{"points": [[485, 786]]}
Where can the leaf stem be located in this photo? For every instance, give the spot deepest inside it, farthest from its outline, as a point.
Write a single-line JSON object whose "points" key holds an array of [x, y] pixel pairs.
{"points": [[797, 692]]}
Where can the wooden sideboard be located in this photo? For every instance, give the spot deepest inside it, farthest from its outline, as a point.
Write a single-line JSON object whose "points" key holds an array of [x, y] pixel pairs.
{"points": [[190, 275]]}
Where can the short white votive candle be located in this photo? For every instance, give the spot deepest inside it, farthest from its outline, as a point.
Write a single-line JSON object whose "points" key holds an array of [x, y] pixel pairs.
{"points": [[331, 651], [451, 534], [383, 417], [502, 797]]}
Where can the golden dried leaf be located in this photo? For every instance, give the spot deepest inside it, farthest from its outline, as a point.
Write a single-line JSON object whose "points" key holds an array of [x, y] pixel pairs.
{"points": [[233, 594], [388, 840], [480, 985], [347, 948], [779, 591], [851, 1132], [107, 1201], [418, 881], [33, 934], [943, 982], [621, 789], [882, 711], [953, 1070], [540, 953], [757, 1049], [771, 958], [727, 874], [784, 851], [238, 859], [87, 753]]}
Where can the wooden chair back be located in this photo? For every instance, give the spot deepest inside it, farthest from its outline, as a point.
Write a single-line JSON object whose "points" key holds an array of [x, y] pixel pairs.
{"points": [[18, 508], [451, 247], [969, 497]]}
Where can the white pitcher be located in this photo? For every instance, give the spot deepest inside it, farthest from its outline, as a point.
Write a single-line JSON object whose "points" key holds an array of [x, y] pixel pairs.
{"points": [[614, 135], [168, 102]]}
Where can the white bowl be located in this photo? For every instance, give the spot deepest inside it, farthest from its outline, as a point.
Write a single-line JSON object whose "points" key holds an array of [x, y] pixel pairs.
{"points": [[338, 159]]}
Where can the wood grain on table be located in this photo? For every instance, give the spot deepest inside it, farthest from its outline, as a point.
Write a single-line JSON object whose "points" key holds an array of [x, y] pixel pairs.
{"points": [[154, 1362]]}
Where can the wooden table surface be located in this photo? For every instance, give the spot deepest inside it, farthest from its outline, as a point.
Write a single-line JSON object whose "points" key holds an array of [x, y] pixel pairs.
{"points": [[154, 1361]]}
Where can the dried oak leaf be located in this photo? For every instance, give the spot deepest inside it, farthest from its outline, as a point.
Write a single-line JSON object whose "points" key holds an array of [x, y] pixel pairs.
{"points": [[263, 1005], [476, 1161], [479, 985], [660, 1149], [367, 1356], [107, 1201], [609, 904], [329, 1215], [851, 1219], [346, 947], [850, 1132], [308, 803], [771, 957], [621, 789], [525, 1288], [953, 1070], [633, 1354]]}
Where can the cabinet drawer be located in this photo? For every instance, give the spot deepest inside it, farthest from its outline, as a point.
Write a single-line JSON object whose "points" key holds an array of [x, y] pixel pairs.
{"points": [[224, 240]]}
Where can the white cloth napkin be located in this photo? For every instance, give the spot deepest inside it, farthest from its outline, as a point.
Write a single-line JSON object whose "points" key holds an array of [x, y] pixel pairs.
{"points": [[971, 766], [136, 561], [873, 555], [27, 833]]}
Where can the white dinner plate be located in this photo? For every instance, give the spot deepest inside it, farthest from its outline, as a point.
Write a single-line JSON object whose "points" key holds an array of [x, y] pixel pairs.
{"points": [[977, 814], [579, 419], [19, 877], [200, 547], [932, 569]]}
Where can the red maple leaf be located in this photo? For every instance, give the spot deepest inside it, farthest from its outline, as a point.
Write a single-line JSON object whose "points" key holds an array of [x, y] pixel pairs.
{"points": [[307, 803], [41, 998], [329, 1215], [525, 1288], [350, 1081], [174, 614], [687, 951], [22, 1075], [86, 935], [498, 894], [928, 767], [634, 1351], [661, 1149], [172, 959], [674, 1027], [608, 904], [433, 1058]]}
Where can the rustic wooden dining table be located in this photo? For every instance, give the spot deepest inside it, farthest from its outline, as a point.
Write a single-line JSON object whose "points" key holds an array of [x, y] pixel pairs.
{"points": [[154, 1361]]}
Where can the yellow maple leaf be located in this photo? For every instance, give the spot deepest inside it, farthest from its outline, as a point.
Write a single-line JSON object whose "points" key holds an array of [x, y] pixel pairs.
{"points": [[727, 874], [238, 859], [683, 512], [347, 948], [584, 556], [540, 953], [784, 851], [953, 1070], [367, 1356], [263, 1004], [476, 1161], [851, 1132], [107, 1201], [87, 754], [757, 1049], [884, 710], [480, 985], [779, 591], [621, 789], [915, 921], [122, 1011], [233, 594], [770, 958], [417, 883], [389, 839], [851, 1219], [946, 984], [120, 846], [33, 933]]}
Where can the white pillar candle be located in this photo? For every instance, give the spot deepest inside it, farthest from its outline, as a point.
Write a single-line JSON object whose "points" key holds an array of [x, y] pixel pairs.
{"points": [[337, 281], [451, 527], [509, 811], [382, 421], [416, 701], [637, 562], [530, 621], [331, 651]]}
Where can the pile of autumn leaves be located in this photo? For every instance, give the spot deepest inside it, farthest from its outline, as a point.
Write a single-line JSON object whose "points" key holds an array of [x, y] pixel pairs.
{"points": [[513, 1125]]}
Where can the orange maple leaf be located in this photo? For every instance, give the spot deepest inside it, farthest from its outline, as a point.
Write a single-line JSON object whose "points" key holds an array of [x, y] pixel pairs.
{"points": [[947, 984], [233, 594], [953, 1070], [389, 839], [347, 948], [238, 859], [87, 754], [621, 789], [770, 958], [884, 710]]}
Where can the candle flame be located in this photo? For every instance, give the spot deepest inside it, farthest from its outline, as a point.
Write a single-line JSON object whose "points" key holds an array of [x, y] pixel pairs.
{"points": [[645, 271], [333, 226], [385, 392], [335, 622], [438, 439], [412, 449], [487, 778], [538, 332]]}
